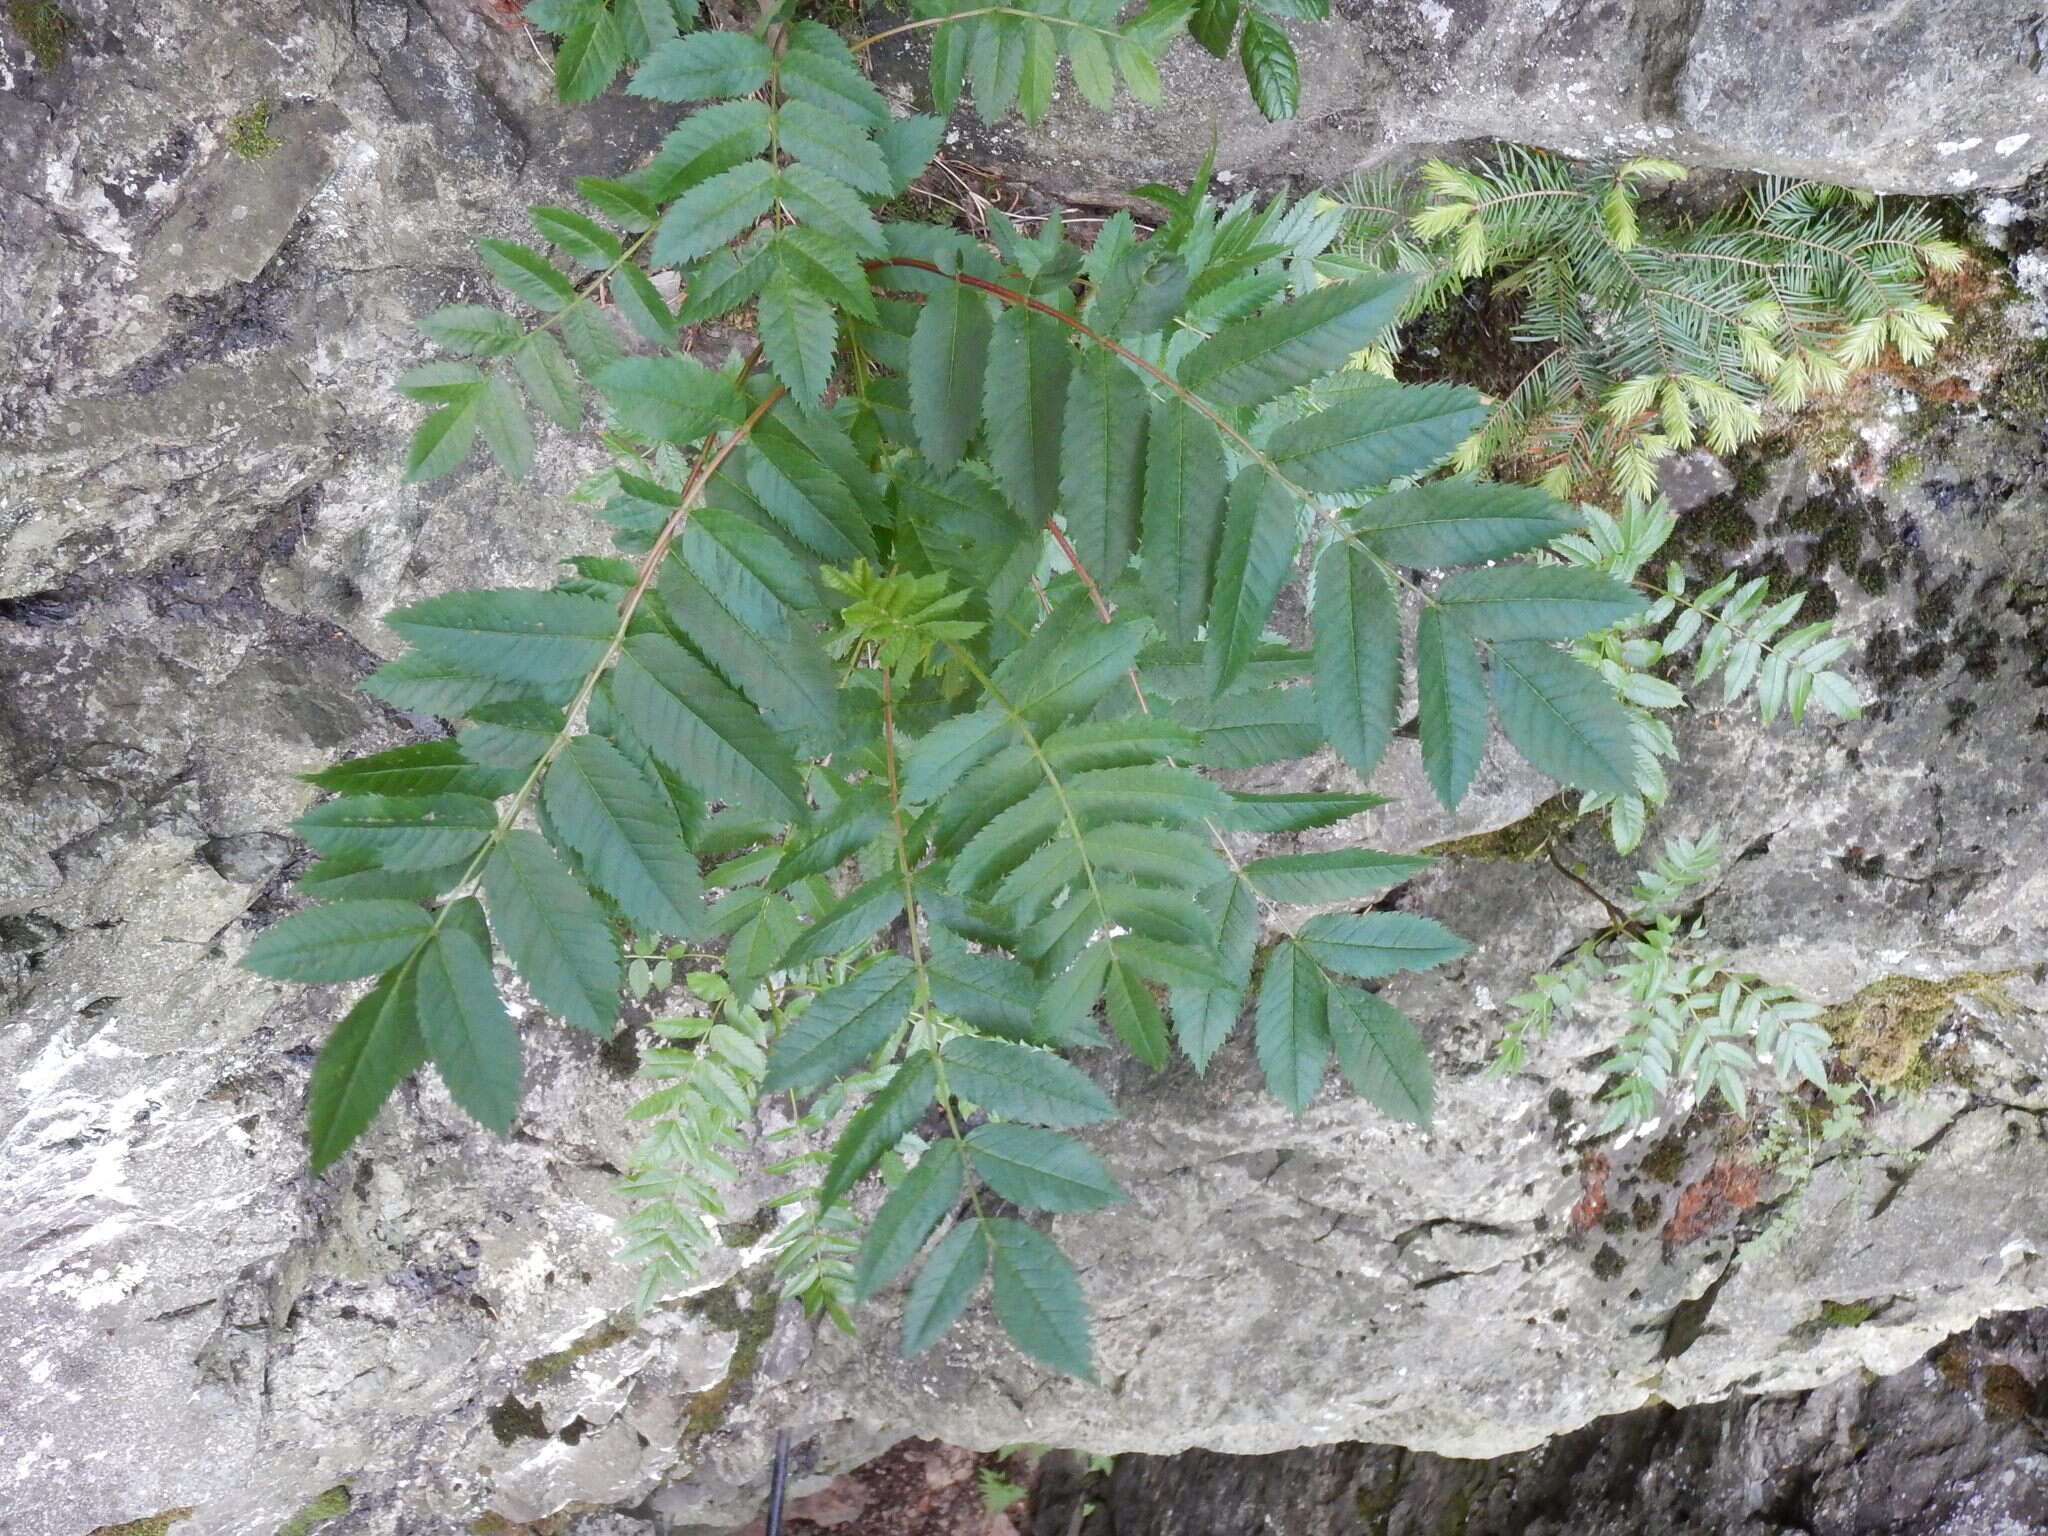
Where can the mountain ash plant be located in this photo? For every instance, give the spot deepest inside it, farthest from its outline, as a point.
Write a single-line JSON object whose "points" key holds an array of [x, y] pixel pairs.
{"points": [[896, 725]]}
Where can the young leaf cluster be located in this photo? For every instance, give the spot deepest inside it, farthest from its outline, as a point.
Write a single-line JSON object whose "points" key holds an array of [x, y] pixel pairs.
{"points": [[1695, 1028]]}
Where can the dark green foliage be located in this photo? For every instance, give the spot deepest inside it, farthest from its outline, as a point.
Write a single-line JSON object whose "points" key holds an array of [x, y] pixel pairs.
{"points": [[927, 623]]}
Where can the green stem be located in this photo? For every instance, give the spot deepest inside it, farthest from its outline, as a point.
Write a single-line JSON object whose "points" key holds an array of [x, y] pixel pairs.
{"points": [[649, 568], [910, 918], [865, 43]]}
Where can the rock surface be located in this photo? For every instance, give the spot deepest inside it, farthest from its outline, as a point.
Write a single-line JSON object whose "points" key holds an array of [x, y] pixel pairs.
{"points": [[200, 521], [1951, 1446], [1930, 96]]}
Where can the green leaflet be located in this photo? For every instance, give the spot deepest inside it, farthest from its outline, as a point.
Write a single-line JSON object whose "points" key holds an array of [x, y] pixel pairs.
{"points": [[1214, 23], [1102, 451], [1183, 517], [507, 432], [1357, 652], [549, 381], [741, 629], [1451, 704], [1461, 522], [702, 146], [948, 355], [1133, 1012], [937, 761], [361, 879], [944, 1286], [424, 768], [882, 1122], [1203, 1017], [1249, 362], [643, 306], [819, 68], [1342, 874], [1293, 1034], [988, 991], [1375, 436], [339, 942], [375, 1047], [1369, 945], [856, 916], [436, 686], [1260, 538], [842, 1027], [1293, 810], [417, 832], [442, 442], [1038, 1298], [669, 399], [626, 834], [527, 275], [907, 1217], [1040, 1170], [713, 212], [475, 330], [553, 933], [509, 634], [1023, 404], [467, 1033], [799, 330], [703, 730], [1563, 718], [1270, 68], [509, 736], [1019, 1082], [585, 241], [702, 66], [1246, 730], [1536, 602], [1381, 1055], [590, 55], [817, 137]]}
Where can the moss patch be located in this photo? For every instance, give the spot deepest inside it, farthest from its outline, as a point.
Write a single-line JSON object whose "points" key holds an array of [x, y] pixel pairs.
{"points": [[1846, 1314], [513, 1420], [1883, 1031], [335, 1501], [47, 31], [249, 134], [544, 1368], [753, 1320], [1518, 840], [148, 1525]]}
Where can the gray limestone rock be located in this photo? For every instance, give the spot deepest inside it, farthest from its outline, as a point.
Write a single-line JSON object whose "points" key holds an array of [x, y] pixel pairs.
{"points": [[200, 521], [1930, 96]]}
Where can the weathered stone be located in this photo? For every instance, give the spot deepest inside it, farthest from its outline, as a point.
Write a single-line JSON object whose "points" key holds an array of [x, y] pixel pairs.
{"points": [[1950, 1446], [1931, 96], [200, 521]]}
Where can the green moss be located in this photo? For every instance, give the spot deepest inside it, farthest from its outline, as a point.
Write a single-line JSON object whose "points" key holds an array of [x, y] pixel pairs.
{"points": [[513, 1420], [752, 1320], [1664, 1161], [47, 31], [614, 1330], [335, 1501], [1846, 1314], [1516, 842], [148, 1525], [1883, 1031], [249, 134], [1904, 470]]}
